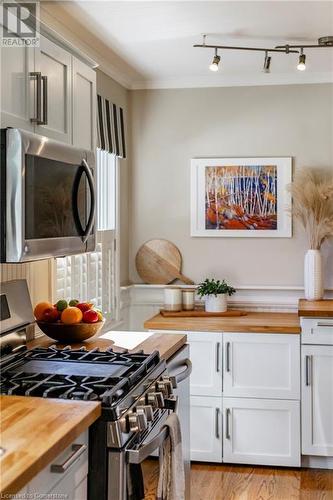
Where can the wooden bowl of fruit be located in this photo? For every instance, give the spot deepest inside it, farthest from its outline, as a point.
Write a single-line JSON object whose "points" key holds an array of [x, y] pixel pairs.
{"points": [[68, 322]]}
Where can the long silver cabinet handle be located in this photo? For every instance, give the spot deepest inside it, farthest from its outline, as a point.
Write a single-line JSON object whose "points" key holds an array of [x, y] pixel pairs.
{"points": [[227, 423], [218, 356], [45, 101], [227, 355], [77, 451], [217, 426], [38, 76], [308, 366]]}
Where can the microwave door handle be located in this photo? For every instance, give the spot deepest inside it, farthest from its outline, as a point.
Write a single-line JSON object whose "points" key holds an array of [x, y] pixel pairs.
{"points": [[91, 185], [75, 207]]}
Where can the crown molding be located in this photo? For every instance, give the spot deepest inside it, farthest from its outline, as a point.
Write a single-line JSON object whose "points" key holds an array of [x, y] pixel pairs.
{"points": [[224, 80]]}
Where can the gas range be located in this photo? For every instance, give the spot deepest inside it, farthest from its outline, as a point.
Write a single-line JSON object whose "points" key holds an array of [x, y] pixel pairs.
{"points": [[134, 389]]}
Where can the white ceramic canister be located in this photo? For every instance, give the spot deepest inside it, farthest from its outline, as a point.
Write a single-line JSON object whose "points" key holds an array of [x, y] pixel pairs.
{"points": [[188, 298], [172, 299]]}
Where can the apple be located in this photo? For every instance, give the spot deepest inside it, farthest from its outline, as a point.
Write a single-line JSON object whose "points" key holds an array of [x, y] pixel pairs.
{"points": [[83, 306], [51, 315], [90, 316]]}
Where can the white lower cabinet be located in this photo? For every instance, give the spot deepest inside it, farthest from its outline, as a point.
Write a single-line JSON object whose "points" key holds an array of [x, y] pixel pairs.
{"points": [[66, 477], [206, 429], [261, 366], [261, 431], [206, 357], [317, 400]]}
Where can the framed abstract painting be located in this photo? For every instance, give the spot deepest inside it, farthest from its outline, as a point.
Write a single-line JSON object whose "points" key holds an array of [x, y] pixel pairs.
{"points": [[241, 197]]}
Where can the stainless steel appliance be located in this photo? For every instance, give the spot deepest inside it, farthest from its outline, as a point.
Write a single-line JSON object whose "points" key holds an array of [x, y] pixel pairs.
{"points": [[47, 198], [135, 389]]}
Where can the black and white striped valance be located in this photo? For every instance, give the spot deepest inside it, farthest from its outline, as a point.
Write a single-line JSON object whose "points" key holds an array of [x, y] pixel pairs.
{"points": [[110, 127]]}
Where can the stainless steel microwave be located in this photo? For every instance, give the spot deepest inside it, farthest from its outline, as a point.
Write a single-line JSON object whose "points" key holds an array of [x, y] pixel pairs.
{"points": [[47, 198]]}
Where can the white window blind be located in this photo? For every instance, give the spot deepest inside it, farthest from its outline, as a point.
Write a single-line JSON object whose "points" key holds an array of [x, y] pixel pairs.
{"points": [[93, 276]]}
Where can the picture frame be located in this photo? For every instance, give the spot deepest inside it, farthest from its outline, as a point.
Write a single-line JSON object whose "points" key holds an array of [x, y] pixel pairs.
{"points": [[241, 197]]}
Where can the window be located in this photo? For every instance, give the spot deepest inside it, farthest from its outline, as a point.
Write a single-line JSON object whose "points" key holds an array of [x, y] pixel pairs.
{"points": [[94, 276]]}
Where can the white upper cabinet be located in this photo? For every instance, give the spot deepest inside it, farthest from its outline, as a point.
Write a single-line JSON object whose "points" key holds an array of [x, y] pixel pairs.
{"points": [[317, 331], [206, 357], [261, 431], [55, 65], [49, 91], [261, 365], [17, 87], [317, 400], [84, 105]]}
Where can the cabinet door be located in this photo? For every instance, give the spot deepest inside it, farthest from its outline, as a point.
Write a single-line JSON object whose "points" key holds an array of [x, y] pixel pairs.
{"points": [[261, 365], [17, 87], [84, 105], [206, 357], [261, 431], [317, 400], [55, 63], [317, 330], [206, 429]]}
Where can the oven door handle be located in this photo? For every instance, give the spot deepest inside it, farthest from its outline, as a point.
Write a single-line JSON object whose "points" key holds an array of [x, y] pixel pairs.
{"points": [[84, 233], [138, 456], [176, 379]]}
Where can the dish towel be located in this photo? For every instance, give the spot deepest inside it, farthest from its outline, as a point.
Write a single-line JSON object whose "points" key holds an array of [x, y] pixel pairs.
{"points": [[135, 487], [171, 482]]}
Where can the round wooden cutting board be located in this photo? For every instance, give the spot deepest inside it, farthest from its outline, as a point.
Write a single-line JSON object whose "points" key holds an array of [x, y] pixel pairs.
{"points": [[159, 262]]}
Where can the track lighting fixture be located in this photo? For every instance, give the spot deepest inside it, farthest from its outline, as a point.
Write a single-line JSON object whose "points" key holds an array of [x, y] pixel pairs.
{"points": [[215, 64], [267, 63], [301, 61], [323, 42]]}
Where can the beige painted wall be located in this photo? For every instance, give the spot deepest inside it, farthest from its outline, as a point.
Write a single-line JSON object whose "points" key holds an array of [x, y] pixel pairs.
{"points": [[117, 94], [169, 127]]}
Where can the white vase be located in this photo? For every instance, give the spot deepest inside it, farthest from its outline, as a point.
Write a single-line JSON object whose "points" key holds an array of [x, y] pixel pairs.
{"points": [[313, 275], [216, 303]]}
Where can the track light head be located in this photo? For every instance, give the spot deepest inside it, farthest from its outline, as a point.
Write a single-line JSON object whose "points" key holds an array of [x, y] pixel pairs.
{"points": [[267, 63], [301, 61], [215, 63]]}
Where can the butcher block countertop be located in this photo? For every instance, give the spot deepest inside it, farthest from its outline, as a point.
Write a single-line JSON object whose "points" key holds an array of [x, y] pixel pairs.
{"points": [[253, 322], [34, 431], [315, 308]]}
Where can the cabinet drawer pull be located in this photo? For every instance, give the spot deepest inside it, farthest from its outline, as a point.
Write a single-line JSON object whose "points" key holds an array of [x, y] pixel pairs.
{"points": [[227, 423], [77, 451], [227, 355], [217, 427], [217, 356], [325, 324], [308, 366]]}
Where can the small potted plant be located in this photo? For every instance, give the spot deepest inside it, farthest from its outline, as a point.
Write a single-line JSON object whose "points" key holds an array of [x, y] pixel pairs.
{"points": [[215, 293]]}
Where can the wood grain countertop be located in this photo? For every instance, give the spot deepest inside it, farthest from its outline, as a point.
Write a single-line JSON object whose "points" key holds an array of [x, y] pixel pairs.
{"points": [[34, 431], [315, 308], [166, 345], [253, 322]]}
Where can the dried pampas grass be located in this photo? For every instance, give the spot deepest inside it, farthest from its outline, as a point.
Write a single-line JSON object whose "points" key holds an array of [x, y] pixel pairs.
{"points": [[312, 193]]}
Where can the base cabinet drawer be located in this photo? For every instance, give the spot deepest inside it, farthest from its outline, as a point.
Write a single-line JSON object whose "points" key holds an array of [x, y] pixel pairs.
{"points": [[317, 331], [261, 431], [261, 366], [206, 429]]}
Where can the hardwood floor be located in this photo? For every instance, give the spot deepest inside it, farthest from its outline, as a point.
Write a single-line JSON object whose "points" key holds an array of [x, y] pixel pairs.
{"points": [[232, 482]]}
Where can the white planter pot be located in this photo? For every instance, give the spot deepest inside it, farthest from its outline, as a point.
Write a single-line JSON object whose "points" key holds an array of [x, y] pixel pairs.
{"points": [[216, 303], [313, 275]]}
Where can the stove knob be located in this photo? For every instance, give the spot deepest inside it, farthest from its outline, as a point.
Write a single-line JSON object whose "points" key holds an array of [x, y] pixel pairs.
{"points": [[142, 421], [155, 399], [147, 410], [137, 422], [165, 387]]}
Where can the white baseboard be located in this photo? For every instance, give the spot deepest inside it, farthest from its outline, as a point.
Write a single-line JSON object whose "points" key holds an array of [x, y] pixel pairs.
{"points": [[317, 462]]}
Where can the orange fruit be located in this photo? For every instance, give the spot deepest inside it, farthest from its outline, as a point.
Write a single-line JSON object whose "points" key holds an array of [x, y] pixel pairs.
{"points": [[71, 315], [40, 308]]}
